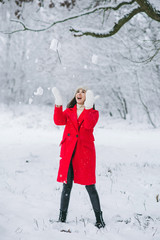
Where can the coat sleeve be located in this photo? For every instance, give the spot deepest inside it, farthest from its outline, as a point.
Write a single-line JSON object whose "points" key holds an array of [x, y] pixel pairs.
{"points": [[90, 118], [59, 116]]}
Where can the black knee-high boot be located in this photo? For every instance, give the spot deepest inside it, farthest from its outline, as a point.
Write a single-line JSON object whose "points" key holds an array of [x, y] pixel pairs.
{"points": [[99, 220], [62, 216], [65, 196], [91, 189]]}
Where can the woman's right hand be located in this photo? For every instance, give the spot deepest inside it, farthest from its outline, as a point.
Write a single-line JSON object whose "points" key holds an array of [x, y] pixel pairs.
{"points": [[89, 99], [57, 96]]}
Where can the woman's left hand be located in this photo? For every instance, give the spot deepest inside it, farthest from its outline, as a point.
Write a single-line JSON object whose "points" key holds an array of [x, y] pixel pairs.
{"points": [[90, 99]]}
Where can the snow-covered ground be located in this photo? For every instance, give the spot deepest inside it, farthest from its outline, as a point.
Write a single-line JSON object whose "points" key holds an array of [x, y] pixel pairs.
{"points": [[128, 182]]}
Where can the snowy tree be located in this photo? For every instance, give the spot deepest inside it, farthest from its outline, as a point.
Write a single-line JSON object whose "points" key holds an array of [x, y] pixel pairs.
{"points": [[110, 66], [129, 9], [103, 13]]}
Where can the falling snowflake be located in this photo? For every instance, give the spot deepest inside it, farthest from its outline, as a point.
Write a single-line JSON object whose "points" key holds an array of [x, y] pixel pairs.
{"points": [[39, 91], [94, 59], [30, 100], [55, 45]]}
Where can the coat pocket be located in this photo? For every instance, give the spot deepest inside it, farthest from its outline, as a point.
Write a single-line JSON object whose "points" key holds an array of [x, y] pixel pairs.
{"points": [[88, 144], [63, 140], [63, 147]]}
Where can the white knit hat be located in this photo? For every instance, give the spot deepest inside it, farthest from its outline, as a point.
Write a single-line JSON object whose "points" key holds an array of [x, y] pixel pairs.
{"points": [[80, 87]]}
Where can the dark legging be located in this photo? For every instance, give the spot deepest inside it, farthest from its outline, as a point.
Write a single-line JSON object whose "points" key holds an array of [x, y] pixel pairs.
{"points": [[65, 196]]}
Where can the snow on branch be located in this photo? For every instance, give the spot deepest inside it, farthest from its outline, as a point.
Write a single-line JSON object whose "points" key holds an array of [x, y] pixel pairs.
{"points": [[143, 6], [104, 8], [149, 9], [103, 33]]}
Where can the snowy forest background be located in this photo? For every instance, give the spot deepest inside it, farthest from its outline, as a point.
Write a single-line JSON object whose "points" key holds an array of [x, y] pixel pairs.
{"points": [[113, 47], [123, 69]]}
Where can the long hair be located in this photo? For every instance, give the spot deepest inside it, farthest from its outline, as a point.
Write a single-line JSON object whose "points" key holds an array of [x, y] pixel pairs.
{"points": [[73, 102]]}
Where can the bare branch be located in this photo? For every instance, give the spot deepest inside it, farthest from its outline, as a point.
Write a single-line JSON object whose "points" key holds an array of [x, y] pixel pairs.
{"points": [[123, 111], [148, 59], [114, 30], [144, 105]]}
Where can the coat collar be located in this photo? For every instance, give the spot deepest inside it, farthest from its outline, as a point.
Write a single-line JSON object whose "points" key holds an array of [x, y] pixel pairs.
{"points": [[73, 117], [81, 118]]}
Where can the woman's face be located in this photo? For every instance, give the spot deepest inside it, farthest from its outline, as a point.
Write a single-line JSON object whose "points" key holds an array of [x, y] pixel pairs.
{"points": [[81, 96]]}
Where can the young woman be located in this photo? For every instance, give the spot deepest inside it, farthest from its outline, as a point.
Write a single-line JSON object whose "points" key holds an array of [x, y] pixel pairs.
{"points": [[78, 158]]}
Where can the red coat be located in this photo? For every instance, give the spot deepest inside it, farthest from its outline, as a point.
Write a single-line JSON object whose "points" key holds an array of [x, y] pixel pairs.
{"points": [[79, 134]]}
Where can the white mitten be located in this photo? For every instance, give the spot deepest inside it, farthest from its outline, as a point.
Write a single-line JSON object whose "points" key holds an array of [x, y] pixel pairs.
{"points": [[58, 98], [89, 100]]}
